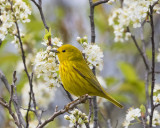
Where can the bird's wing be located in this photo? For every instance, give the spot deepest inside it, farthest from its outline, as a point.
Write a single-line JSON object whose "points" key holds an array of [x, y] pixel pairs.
{"points": [[83, 70]]}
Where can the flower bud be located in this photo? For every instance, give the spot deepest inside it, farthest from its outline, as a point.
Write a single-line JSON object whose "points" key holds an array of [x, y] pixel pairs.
{"points": [[66, 117], [78, 39]]}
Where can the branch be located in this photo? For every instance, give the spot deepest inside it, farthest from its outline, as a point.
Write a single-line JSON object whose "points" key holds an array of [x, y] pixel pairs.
{"points": [[147, 70], [62, 111], [15, 101], [31, 93], [153, 64], [93, 36], [5, 81], [68, 94], [13, 98], [140, 51], [90, 109], [6, 105], [39, 6], [99, 2]]}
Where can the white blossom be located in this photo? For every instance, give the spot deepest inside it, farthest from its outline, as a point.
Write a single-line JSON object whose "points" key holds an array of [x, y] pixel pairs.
{"points": [[126, 123], [20, 10], [156, 88], [46, 65], [156, 118], [54, 41], [94, 55], [131, 115], [76, 117], [133, 13], [156, 99]]}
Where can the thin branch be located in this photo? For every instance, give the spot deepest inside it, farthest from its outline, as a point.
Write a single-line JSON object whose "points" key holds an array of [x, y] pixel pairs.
{"points": [[93, 36], [99, 2], [14, 100], [68, 94], [146, 90], [62, 111], [95, 110], [24, 63], [6, 105], [147, 70], [5, 81], [90, 109], [39, 6], [155, 106], [144, 121], [3, 102], [140, 51], [153, 64]]}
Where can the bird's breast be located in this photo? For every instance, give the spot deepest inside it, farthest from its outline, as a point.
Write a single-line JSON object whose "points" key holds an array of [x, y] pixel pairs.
{"points": [[71, 80]]}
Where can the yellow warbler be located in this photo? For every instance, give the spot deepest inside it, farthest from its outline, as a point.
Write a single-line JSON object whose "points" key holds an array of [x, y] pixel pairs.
{"points": [[77, 77]]}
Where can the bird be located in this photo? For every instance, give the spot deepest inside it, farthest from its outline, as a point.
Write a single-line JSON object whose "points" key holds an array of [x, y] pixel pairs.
{"points": [[77, 78]]}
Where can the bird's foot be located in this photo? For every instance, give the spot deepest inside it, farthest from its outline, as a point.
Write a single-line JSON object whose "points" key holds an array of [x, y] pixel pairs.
{"points": [[67, 107], [81, 97]]}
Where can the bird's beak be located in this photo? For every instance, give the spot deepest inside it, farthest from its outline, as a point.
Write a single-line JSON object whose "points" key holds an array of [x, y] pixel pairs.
{"points": [[55, 51]]}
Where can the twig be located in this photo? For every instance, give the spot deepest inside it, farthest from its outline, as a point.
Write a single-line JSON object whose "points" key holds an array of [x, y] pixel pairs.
{"points": [[95, 110], [146, 90], [6, 105], [68, 94], [13, 98], [62, 111], [5, 81], [147, 70], [93, 36], [99, 2], [140, 51], [90, 109], [153, 65], [39, 6], [15, 101], [144, 122]]}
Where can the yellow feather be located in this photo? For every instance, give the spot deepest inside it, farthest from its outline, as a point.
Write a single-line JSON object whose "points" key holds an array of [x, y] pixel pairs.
{"points": [[77, 77]]}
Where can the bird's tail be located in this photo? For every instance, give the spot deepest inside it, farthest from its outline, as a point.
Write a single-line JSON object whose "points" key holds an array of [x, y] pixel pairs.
{"points": [[111, 99]]}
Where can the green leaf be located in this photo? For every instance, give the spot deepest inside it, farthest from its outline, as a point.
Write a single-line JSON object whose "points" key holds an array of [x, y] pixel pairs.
{"points": [[143, 109], [47, 34], [128, 71]]}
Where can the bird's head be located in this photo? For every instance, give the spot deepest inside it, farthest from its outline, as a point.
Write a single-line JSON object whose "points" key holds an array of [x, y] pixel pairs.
{"points": [[68, 52]]}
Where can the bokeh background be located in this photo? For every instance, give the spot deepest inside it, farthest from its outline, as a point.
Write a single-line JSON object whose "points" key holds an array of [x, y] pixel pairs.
{"points": [[123, 71]]}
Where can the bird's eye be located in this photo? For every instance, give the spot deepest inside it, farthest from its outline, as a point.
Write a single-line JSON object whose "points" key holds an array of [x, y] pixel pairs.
{"points": [[64, 51]]}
